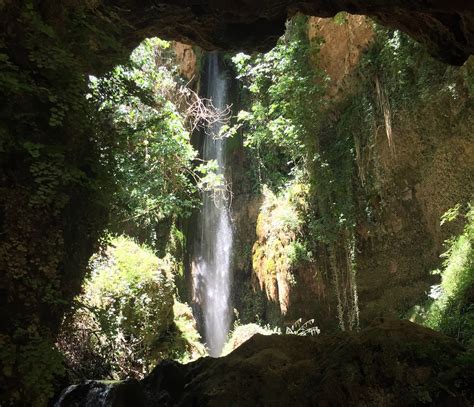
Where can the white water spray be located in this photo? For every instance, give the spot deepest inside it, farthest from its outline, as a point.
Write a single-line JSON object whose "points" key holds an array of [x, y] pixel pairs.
{"points": [[213, 245]]}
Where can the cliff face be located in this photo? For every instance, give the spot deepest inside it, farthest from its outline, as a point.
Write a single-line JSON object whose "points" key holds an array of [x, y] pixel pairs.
{"points": [[412, 160], [343, 41], [428, 170], [415, 164], [186, 59]]}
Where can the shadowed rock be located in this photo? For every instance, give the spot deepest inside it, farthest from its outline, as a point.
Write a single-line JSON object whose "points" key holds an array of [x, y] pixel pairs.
{"points": [[445, 27], [392, 363]]}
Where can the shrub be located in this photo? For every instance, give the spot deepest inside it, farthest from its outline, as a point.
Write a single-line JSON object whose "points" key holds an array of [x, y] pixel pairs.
{"points": [[128, 318], [452, 311]]}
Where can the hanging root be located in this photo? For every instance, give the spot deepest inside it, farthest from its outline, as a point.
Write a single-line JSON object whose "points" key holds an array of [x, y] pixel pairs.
{"points": [[384, 105], [344, 281]]}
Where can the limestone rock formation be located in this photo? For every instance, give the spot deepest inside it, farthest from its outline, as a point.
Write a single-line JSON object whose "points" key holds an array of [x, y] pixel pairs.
{"points": [[50, 224]]}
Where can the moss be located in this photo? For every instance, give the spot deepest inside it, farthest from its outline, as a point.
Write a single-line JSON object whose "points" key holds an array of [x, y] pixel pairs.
{"points": [[270, 267], [129, 317], [275, 253]]}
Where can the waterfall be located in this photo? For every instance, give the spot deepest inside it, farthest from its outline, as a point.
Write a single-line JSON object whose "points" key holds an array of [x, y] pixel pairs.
{"points": [[213, 244]]}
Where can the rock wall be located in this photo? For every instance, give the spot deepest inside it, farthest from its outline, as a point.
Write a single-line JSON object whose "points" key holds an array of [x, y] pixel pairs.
{"points": [[186, 59], [418, 164], [343, 43], [412, 166], [427, 169]]}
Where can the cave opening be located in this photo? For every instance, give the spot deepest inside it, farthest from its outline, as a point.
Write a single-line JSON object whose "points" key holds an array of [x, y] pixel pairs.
{"points": [[349, 152]]}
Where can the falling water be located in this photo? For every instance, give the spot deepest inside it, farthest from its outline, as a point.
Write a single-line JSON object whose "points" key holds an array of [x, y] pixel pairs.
{"points": [[212, 249]]}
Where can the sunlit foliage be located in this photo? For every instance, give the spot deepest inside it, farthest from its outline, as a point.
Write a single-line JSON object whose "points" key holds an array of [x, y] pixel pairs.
{"points": [[452, 308], [145, 138], [282, 84], [128, 318]]}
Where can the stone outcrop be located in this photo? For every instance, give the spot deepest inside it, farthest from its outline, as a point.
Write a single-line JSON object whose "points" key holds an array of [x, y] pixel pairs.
{"points": [[186, 59], [390, 363], [446, 27], [341, 48]]}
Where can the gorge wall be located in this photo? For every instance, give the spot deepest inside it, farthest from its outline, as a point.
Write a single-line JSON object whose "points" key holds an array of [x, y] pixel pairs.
{"points": [[414, 164], [408, 166]]}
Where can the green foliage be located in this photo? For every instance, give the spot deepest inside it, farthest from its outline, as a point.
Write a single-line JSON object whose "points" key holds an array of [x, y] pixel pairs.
{"points": [[340, 18], [51, 177], [405, 69], [452, 310], [37, 363], [188, 345], [450, 215], [249, 303], [398, 90], [280, 247], [77, 158], [298, 253], [301, 328], [278, 132], [295, 142], [331, 175], [150, 154], [209, 179], [242, 333], [131, 313], [281, 85]]}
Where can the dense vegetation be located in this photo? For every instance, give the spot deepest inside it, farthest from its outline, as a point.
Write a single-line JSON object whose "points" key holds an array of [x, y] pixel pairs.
{"points": [[277, 124], [281, 133], [129, 317], [450, 308], [51, 175], [147, 115], [124, 165]]}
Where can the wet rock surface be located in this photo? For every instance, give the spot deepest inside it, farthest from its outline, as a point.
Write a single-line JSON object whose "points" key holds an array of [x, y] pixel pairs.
{"points": [[391, 363]]}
